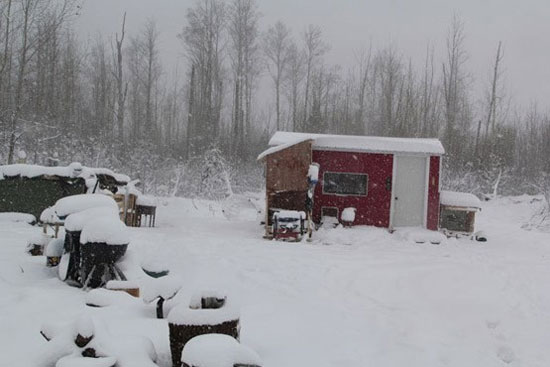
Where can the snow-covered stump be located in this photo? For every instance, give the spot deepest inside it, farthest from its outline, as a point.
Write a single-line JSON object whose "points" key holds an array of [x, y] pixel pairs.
{"points": [[161, 290], [207, 313], [74, 224], [104, 242], [54, 251], [218, 350]]}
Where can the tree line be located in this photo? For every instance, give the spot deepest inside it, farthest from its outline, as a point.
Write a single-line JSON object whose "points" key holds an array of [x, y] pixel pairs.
{"points": [[111, 101]]}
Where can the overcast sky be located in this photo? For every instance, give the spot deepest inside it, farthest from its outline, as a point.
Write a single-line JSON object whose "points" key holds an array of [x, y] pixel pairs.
{"points": [[522, 25]]}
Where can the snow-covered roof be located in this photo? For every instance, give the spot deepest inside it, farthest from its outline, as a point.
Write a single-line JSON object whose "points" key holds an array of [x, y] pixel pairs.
{"points": [[217, 350], [461, 199], [282, 146], [72, 170], [375, 144]]}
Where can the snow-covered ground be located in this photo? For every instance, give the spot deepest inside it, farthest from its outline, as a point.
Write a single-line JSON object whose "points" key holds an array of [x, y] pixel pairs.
{"points": [[353, 297]]}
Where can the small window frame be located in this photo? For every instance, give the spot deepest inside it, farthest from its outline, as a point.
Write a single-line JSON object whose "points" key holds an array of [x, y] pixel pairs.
{"points": [[346, 173]]}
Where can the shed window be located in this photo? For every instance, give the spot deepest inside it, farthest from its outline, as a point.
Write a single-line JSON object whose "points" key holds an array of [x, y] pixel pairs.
{"points": [[345, 183]]}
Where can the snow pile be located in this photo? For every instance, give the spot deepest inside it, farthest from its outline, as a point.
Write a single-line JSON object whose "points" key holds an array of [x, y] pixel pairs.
{"points": [[374, 144], [17, 217], [348, 215], [109, 230], [165, 287], [77, 360], [77, 221], [313, 172], [101, 297], [218, 350], [420, 235], [55, 248], [460, 199], [76, 203], [48, 216], [90, 338], [290, 214], [194, 314]]}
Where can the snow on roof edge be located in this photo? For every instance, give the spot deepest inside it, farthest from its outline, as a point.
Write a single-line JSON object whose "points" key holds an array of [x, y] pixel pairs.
{"points": [[460, 199], [362, 143], [279, 147]]}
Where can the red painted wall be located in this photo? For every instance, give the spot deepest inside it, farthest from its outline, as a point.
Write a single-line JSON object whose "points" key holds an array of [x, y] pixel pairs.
{"points": [[374, 209], [433, 194]]}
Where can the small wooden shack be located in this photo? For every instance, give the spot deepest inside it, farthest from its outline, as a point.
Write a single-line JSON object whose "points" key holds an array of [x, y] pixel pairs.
{"points": [[391, 182], [458, 212], [26, 188]]}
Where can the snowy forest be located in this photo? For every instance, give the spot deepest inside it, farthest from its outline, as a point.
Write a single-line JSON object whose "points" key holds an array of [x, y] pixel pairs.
{"points": [[197, 130]]}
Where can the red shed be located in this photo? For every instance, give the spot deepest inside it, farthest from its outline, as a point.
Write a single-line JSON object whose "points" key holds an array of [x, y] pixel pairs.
{"points": [[391, 182]]}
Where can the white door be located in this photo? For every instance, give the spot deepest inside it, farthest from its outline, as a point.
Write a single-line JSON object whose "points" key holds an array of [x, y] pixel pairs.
{"points": [[409, 191]]}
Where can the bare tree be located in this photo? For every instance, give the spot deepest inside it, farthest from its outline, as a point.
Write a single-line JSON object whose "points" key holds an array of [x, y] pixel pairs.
{"points": [[243, 31], [202, 39], [454, 88], [293, 79], [315, 48], [121, 84], [277, 43]]}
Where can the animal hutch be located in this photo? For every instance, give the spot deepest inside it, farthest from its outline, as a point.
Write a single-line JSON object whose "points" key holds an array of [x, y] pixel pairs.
{"points": [[390, 182], [458, 211]]}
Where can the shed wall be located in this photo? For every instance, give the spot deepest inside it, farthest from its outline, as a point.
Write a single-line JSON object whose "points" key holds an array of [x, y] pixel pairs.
{"points": [[373, 209], [286, 178], [432, 220]]}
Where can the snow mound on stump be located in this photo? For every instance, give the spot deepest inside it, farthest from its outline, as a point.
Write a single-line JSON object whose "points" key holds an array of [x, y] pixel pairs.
{"points": [[105, 230], [77, 221], [55, 248], [218, 350], [77, 203]]}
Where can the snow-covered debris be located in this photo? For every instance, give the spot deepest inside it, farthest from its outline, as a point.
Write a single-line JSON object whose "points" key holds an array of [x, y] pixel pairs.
{"points": [[17, 217], [146, 200], [109, 230], [375, 144], [55, 248], [77, 221], [102, 297], [90, 338], [37, 244], [313, 172], [85, 327], [121, 284], [76, 203], [48, 216], [218, 350], [348, 215], [165, 287], [460, 199]]}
